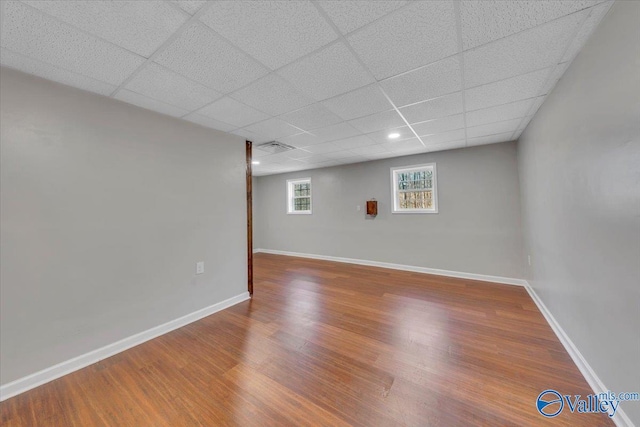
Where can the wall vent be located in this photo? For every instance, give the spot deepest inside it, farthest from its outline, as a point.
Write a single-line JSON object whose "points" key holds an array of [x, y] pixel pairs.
{"points": [[273, 147]]}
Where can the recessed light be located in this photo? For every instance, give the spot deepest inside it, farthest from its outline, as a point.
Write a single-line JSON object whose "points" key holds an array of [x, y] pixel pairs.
{"points": [[394, 135], [255, 162]]}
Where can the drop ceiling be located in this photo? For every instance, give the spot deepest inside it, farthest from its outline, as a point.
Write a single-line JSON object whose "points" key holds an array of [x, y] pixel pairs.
{"points": [[332, 79]]}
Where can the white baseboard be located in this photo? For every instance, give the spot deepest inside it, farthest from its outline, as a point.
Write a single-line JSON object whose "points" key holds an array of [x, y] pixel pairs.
{"points": [[620, 418], [49, 374], [415, 269]]}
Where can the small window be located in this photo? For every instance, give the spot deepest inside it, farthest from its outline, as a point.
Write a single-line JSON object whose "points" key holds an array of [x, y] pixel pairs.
{"points": [[414, 189], [299, 196]]}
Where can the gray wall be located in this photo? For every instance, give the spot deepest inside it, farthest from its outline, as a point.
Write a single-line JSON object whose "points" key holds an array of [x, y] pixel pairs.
{"points": [[105, 210], [579, 163], [477, 229], [254, 186]]}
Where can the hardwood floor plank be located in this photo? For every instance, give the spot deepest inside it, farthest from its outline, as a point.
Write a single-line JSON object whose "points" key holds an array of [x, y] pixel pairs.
{"points": [[325, 343]]}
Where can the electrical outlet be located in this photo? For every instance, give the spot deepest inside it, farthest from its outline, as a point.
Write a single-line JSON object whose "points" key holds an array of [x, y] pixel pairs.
{"points": [[358, 208], [199, 267], [529, 260]]}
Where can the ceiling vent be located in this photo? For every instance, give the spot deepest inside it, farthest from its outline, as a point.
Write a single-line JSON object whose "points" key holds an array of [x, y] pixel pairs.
{"points": [[274, 147]]}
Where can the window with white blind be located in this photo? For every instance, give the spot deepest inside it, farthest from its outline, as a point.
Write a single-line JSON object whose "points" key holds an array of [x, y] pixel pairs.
{"points": [[299, 196], [414, 189]]}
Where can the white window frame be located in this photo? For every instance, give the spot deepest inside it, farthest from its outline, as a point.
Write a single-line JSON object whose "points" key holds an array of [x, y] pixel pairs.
{"points": [[394, 189], [291, 197]]}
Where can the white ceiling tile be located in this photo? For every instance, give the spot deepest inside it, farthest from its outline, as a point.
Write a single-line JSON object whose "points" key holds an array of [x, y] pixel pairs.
{"points": [[376, 155], [2, 3], [263, 170], [230, 111], [425, 83], [301, 140], [342, 158], [351, 160], [259, 156], [291, 167], [505, 91], [273, 128], [385, 120], [355, 159], [409, 151], [281, 158], [358, 103], [509, 111], [351, 15], [209, 122], [327, 164], [453, 135], [329, 72], [439, 125], [521, 53], [205, 57], [403, 146], [314, 159], [297, 166], [149, 103], [51, 72], [354, 142], [325, 147], [274, 32], [271, 159], [417, 35], [139, 26], [190, 6], [256, 154], [490, 139], [298, 153], [338, 131], [446, 146], [382, 136], [271, 164], [253, 137], [493, 128], [245, 134], [269, 168], [443, 106], [340, 155], [311, 117], [370, 150], [272, 95], [36, 35], [402, 43], [486, 20], [595, 16], [171, 88]]}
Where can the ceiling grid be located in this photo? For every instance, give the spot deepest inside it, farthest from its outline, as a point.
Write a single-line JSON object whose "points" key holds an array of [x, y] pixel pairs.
{"points": [[333, 79]]}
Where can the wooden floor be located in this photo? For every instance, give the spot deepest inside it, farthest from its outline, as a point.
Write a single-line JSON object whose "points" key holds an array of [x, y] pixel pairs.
{"points": [[324, 343]]}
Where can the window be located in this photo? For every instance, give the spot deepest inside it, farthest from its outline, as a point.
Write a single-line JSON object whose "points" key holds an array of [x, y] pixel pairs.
{"points": [[299, 196], [414, 189]]}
